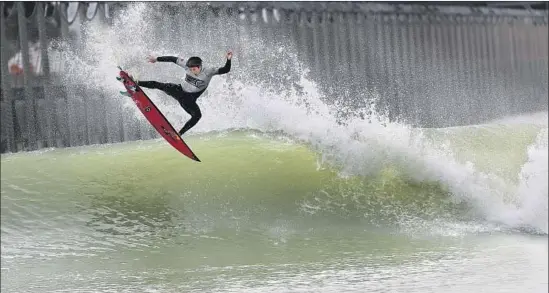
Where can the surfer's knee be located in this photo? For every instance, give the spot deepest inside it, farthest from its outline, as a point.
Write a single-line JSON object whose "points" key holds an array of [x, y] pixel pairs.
{"points": [[195, 112], [197, 115]]}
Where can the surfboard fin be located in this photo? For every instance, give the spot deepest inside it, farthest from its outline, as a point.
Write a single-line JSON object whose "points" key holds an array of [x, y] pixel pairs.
{"points": [[124, 93]]}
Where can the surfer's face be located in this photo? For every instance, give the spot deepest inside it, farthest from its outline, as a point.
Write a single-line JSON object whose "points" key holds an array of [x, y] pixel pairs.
{"points": [[195, 70]]}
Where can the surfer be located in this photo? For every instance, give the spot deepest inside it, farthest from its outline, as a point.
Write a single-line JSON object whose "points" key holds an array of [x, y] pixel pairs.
{"points": [[197, 79]]}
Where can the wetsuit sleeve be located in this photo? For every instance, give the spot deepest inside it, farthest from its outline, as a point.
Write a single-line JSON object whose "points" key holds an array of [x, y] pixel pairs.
{"points": [[176, 60], [220, 70], [226, 68], [167, 59]]}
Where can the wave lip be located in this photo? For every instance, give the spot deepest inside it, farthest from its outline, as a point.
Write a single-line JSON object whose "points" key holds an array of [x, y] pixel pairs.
{"points": [[531, 204]]}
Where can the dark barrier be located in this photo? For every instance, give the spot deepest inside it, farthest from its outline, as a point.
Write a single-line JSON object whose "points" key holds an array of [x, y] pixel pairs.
{"points": [[429, 66]]}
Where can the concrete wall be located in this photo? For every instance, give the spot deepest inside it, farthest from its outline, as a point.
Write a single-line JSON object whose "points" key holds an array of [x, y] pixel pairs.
{"points": [[430, 66]]}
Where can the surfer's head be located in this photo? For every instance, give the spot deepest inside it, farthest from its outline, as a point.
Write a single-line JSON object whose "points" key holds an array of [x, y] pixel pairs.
{"points": [[195, 64]]}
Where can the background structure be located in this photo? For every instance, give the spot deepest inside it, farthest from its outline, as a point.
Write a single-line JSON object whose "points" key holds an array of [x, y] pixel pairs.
{"points": [[427, 64]]}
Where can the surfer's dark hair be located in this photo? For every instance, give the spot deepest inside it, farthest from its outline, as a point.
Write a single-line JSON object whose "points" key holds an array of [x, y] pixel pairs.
{"points": [[194, 61]]}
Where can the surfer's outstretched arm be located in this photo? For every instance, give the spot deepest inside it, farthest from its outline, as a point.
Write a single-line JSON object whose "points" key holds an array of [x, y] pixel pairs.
{"points": [[176, 60], [227, 67], [166, 59]]}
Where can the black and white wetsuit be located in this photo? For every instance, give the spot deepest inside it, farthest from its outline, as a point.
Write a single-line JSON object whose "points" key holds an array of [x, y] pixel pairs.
{"points": [[190, 89]]}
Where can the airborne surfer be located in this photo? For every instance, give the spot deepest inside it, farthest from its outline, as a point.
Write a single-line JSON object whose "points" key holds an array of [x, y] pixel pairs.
{"points": [[197, 79]]}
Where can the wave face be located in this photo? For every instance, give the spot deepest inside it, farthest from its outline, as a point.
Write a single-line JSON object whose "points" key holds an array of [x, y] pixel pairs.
{"points": [[275, 140], [485, 177]]}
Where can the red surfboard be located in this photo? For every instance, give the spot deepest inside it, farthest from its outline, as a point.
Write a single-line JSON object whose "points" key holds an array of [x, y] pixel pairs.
{"points": [[155, 117]]}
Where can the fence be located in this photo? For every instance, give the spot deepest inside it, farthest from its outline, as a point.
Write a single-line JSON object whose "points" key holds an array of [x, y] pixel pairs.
{"points": [[431, 66]]}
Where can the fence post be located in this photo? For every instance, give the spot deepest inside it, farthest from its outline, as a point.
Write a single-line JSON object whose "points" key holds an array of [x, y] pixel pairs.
{"points": [[411, 103], [28, 98], [302, 31], [464, 70], [475, 113], [397, 60], [8, 114], [380, 68], [315, 19], [49, 99], [542, 36], [492, 84], [329, 78], [446, 55], [361, 47], [515, 104]]}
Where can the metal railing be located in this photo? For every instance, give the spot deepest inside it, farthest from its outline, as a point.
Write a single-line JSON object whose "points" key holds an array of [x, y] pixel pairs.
{"points": [[431, 66]]}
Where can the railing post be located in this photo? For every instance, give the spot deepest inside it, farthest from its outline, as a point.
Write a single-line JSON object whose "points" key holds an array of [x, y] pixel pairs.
{"points": [[49, 97], [7, 99], [31, 131]]}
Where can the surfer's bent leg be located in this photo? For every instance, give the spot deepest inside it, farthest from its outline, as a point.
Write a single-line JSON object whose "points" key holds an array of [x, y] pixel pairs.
{"points": [[171, 89], [153, 85], [192, 108]]}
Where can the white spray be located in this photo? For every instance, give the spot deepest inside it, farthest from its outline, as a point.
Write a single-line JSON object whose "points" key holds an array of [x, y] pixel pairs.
{"points": [[360, 147]]}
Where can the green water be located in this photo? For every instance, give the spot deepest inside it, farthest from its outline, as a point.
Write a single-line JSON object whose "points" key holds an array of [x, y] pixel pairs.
{"points": [[498, 149], [258, 214]]}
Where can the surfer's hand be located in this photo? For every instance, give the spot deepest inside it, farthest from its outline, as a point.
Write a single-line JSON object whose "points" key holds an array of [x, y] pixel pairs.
{"points": [[151, 59], [229, 55]]}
